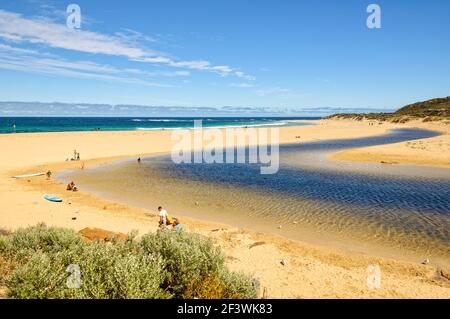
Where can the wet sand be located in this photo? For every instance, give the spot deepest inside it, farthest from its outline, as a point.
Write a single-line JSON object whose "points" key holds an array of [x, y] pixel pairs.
{"points": [[311, 271]]}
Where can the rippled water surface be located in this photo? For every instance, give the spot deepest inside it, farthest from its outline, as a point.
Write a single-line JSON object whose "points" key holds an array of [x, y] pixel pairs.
{"points": [[393, 209]]}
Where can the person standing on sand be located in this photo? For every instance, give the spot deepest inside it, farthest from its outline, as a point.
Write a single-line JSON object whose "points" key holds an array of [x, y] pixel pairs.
{"points": [[164, 217]]}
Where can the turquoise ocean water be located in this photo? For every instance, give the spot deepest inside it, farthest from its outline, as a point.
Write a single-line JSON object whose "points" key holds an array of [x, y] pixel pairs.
{"points": [[67, 124]]}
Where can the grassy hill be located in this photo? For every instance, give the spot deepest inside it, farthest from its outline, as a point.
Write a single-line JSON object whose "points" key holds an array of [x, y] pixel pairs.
{"points": [[432, 110]]}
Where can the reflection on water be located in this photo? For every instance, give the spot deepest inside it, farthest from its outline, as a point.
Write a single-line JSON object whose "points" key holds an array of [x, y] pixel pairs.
{"points": [[402, 208]]}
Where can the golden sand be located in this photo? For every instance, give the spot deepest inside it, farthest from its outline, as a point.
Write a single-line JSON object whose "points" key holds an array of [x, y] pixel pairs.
{"points": [[308, 271], [433, 151]]}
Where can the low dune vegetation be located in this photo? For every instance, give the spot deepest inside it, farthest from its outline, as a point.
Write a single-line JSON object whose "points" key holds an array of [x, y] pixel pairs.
{"points": [[42, 262], [433, 110]]}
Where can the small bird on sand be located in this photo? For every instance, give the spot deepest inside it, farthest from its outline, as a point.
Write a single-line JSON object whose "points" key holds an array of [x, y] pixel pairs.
{"points": [[426, 262]]}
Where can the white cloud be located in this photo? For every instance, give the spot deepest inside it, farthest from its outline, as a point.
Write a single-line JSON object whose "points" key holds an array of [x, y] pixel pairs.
{"points": [[5, 47], [241, 85], [26, 60], [132, 36], [241, 74], [14, 27], [40, 31]]}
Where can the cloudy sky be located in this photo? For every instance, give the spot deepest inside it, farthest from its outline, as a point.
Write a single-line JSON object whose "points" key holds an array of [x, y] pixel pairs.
{"points": [[296, 55]]}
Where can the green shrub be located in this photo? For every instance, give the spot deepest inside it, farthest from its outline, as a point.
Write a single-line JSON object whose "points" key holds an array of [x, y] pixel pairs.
{"points": [[139, 277], [109, 271], [238, 286], [188, 258], [6, 268], [195, 268], [226, 285], [209, 288], [105, 273], [162, 265], [43, 276], [24, 242]]}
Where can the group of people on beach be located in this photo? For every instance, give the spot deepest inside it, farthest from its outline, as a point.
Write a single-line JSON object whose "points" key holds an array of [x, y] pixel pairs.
{"points": [[76, 156], [165, 220]]}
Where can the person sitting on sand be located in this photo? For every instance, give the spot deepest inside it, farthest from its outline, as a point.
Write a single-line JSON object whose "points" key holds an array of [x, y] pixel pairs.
{"points": [[164, 217], [49, 174], [70, 186], [75, 188], [177, 225]]}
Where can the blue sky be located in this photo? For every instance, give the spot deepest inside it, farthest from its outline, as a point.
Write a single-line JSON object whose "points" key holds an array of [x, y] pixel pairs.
{"points": [[277, 54]]}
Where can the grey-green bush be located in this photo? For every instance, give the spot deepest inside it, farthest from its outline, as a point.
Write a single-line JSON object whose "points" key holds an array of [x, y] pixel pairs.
{"points": [[162, 265], [238, 285], [188, 258], [24, 242]]}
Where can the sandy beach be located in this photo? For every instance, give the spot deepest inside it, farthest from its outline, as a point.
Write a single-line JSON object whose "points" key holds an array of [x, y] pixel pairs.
{"points": [[308, 272], [432, 151]]}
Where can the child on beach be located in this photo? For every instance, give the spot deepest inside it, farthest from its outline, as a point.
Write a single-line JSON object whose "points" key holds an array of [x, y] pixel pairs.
{"points": [[177, 225]]}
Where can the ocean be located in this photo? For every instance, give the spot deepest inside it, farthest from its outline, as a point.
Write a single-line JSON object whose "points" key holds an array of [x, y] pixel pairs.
{"points": [[71, 124]]}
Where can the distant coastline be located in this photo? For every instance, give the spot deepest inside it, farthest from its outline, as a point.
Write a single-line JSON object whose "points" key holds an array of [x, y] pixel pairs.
{"points": [[434, 110]]}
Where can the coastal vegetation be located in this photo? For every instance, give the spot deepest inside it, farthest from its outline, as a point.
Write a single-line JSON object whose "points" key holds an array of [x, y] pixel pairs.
{"points": [[427, 111], [50, 262]]}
